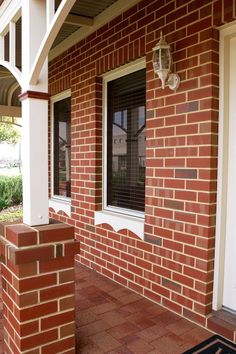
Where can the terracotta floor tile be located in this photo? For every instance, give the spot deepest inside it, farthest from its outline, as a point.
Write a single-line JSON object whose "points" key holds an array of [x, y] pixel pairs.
{"points": [[93, 328], [89, 349], [113, 318], [196, 335], [86, 316], [153, 310], [169, 343], [117, 293], [180, 327], [83, 303], [137, 345], [151, 333], [134, 307], [108, 306], [88, 290], [97, 299], [105, 341], [121, 350], [111, 298], [166, 318], [123, 330], [129, 298], [141, 321]]}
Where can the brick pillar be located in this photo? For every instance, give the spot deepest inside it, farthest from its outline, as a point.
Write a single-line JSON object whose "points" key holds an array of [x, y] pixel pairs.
{"points": [[38, 288]]}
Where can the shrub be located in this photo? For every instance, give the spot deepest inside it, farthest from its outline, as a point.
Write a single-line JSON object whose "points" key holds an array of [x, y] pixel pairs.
{"points": [[10, 190]]}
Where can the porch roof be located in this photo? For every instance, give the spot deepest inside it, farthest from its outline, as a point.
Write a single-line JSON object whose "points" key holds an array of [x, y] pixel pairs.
{"points": [[85, 17]]}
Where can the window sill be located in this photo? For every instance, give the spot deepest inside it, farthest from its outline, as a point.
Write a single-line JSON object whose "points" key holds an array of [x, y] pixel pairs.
{"points": [[120, 221], [60, 205]]}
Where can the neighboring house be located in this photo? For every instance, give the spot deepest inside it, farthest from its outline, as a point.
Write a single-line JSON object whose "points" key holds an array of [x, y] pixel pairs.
{"points": [[145, 175], [9, 153]]}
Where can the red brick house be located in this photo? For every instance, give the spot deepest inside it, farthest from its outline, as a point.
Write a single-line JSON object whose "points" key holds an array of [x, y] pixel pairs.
{"points": [[145, 175]]}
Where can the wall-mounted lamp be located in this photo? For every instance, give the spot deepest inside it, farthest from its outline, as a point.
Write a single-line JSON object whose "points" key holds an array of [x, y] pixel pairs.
{"points": [[162, 63]]}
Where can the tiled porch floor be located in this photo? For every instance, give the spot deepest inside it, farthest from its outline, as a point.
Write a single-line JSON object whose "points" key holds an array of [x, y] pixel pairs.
{"points": [[112, 319]]}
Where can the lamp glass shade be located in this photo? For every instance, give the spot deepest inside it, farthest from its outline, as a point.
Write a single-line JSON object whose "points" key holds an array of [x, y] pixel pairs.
{"points": [[162, 64]]}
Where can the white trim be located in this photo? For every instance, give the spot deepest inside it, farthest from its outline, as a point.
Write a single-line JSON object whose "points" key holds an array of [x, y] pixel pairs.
{"points": [[107, 15], [50, 11], [118, 217], [60, 205], [9, 11], [125, 69], [60, 96], [56, 198], [2, 48], [227, 26], [119, 222], [225, 34], [12, 43]]}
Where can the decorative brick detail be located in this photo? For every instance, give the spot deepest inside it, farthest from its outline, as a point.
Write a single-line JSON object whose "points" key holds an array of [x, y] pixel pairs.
{"points": [[35, 287]]}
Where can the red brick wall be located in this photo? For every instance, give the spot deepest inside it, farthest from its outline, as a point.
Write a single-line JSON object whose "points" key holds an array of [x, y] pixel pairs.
{"points": [[174, 265]]}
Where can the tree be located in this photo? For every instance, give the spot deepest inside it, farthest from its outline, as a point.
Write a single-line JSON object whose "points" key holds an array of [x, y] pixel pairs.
{"points": [[8, 131]]}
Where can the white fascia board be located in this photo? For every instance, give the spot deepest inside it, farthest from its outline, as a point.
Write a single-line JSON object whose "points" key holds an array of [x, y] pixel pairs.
{"points": [[10, 11], [107, 15]]}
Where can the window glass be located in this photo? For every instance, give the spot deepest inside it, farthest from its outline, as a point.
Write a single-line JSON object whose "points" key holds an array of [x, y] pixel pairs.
{"points": [[126, 141], [62, 147]]}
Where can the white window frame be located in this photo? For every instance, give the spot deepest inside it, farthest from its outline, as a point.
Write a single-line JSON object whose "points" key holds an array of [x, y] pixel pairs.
{"points": [[57, 202], [226, 32], [118, 218]]}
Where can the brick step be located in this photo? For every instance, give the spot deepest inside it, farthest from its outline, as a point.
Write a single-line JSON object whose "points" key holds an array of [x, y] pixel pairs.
{"points": [[223, 323]]}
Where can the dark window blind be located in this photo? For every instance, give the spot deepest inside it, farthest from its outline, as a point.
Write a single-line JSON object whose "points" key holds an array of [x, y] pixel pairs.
{"points": [[126, 141], [62, 147]]}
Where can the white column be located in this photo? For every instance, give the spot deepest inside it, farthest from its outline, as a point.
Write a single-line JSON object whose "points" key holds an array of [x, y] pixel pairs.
{"points": [[34, 117], [35, 160]]}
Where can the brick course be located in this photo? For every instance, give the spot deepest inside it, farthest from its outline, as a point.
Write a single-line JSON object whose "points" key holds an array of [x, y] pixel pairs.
{"points": [[174, 265]]}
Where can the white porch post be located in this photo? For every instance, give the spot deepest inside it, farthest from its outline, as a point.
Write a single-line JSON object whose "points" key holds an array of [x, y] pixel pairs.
{"points": [[35, 117]]}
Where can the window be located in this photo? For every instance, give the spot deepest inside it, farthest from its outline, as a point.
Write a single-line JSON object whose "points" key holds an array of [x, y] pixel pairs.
{"points": [[125, 141], [61, 166]]}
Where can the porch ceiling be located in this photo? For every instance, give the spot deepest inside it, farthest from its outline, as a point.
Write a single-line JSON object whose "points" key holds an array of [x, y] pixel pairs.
{"points": [[82, 16], [83, 11], [8, 89]]}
